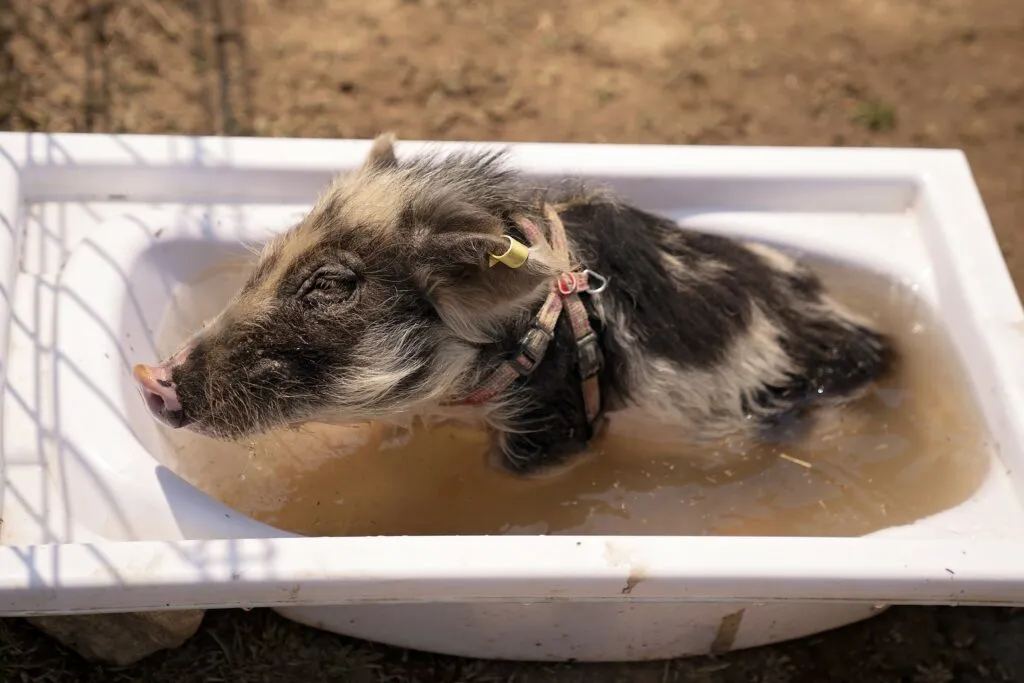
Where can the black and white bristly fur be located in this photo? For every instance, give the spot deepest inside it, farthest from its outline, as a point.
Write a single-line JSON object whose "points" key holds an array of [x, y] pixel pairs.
{"points": [[381, 305]]}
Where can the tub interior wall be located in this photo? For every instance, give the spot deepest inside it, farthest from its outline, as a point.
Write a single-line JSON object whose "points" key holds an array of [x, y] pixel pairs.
{"points": [[186, 184], [967, 330], [153, 280]]}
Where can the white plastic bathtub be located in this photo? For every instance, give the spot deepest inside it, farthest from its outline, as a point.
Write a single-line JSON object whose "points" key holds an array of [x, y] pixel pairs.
{"points": [[96, 230]]}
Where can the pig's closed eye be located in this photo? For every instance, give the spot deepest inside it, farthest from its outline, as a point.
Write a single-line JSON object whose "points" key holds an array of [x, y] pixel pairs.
{"points": [[329, 285]]}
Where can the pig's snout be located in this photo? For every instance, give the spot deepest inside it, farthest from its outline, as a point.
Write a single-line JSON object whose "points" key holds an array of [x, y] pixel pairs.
{"points": [[159, 392]]}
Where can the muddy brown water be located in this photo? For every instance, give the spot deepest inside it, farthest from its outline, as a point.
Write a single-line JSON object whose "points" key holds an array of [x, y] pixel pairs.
{"points": [[915, 445]]}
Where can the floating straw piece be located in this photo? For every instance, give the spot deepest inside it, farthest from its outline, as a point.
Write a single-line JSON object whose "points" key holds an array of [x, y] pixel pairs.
{"points": [[795, 461]]}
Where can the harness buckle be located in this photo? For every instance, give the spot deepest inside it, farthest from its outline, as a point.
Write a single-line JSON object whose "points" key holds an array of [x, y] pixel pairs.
{"points": [[532, 346], [591, 359]]}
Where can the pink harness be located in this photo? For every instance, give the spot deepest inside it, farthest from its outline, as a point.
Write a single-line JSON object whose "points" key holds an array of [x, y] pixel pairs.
{"points": [[564, 295]]}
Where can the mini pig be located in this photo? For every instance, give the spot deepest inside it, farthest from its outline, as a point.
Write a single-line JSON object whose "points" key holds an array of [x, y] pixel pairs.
{"points": [[451, 287]]}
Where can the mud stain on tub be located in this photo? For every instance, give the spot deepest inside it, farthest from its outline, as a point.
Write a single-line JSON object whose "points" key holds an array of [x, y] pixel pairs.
{"points": [[915, 445], [619, 557], [636, 575], [725, 637]]}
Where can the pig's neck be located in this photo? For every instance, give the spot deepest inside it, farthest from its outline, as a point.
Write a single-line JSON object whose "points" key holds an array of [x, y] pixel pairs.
{"points": [[555, 384]]}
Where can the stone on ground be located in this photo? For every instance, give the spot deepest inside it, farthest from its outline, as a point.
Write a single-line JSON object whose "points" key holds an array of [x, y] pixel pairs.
{"points": [[121, 639]]}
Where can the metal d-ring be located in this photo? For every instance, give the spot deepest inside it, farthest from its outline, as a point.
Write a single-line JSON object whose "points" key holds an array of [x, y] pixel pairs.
{"points": [[591, 275]]}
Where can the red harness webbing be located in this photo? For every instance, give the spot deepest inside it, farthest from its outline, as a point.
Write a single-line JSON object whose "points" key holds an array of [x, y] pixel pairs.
{"points": [[564, 295]]}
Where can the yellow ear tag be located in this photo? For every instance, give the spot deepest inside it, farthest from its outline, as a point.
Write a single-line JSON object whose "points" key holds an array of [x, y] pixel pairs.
{"points": [[514, 256]]}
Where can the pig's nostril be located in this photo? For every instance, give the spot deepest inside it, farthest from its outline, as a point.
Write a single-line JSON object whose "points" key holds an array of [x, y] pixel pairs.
{"points": [[159, 394], [155, 402]]}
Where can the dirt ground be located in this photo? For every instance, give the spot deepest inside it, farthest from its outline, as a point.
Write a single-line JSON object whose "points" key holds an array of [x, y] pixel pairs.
{"points": [[924, 73]]}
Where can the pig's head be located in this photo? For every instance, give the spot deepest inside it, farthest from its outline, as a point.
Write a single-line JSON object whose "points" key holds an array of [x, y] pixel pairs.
{"points": [[381, 301]]}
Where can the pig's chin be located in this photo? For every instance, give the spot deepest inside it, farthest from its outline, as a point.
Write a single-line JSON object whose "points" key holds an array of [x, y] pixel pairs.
{"points": [[223, 432], [231, 432], [224, 429], [210, 431]]}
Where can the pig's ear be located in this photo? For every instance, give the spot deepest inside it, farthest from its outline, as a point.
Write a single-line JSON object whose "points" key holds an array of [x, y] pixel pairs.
{"points": [[382, 153], [474, 297]]}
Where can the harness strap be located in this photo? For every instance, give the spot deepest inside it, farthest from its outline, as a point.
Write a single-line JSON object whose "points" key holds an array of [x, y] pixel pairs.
{"points": [[564, 295]]}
